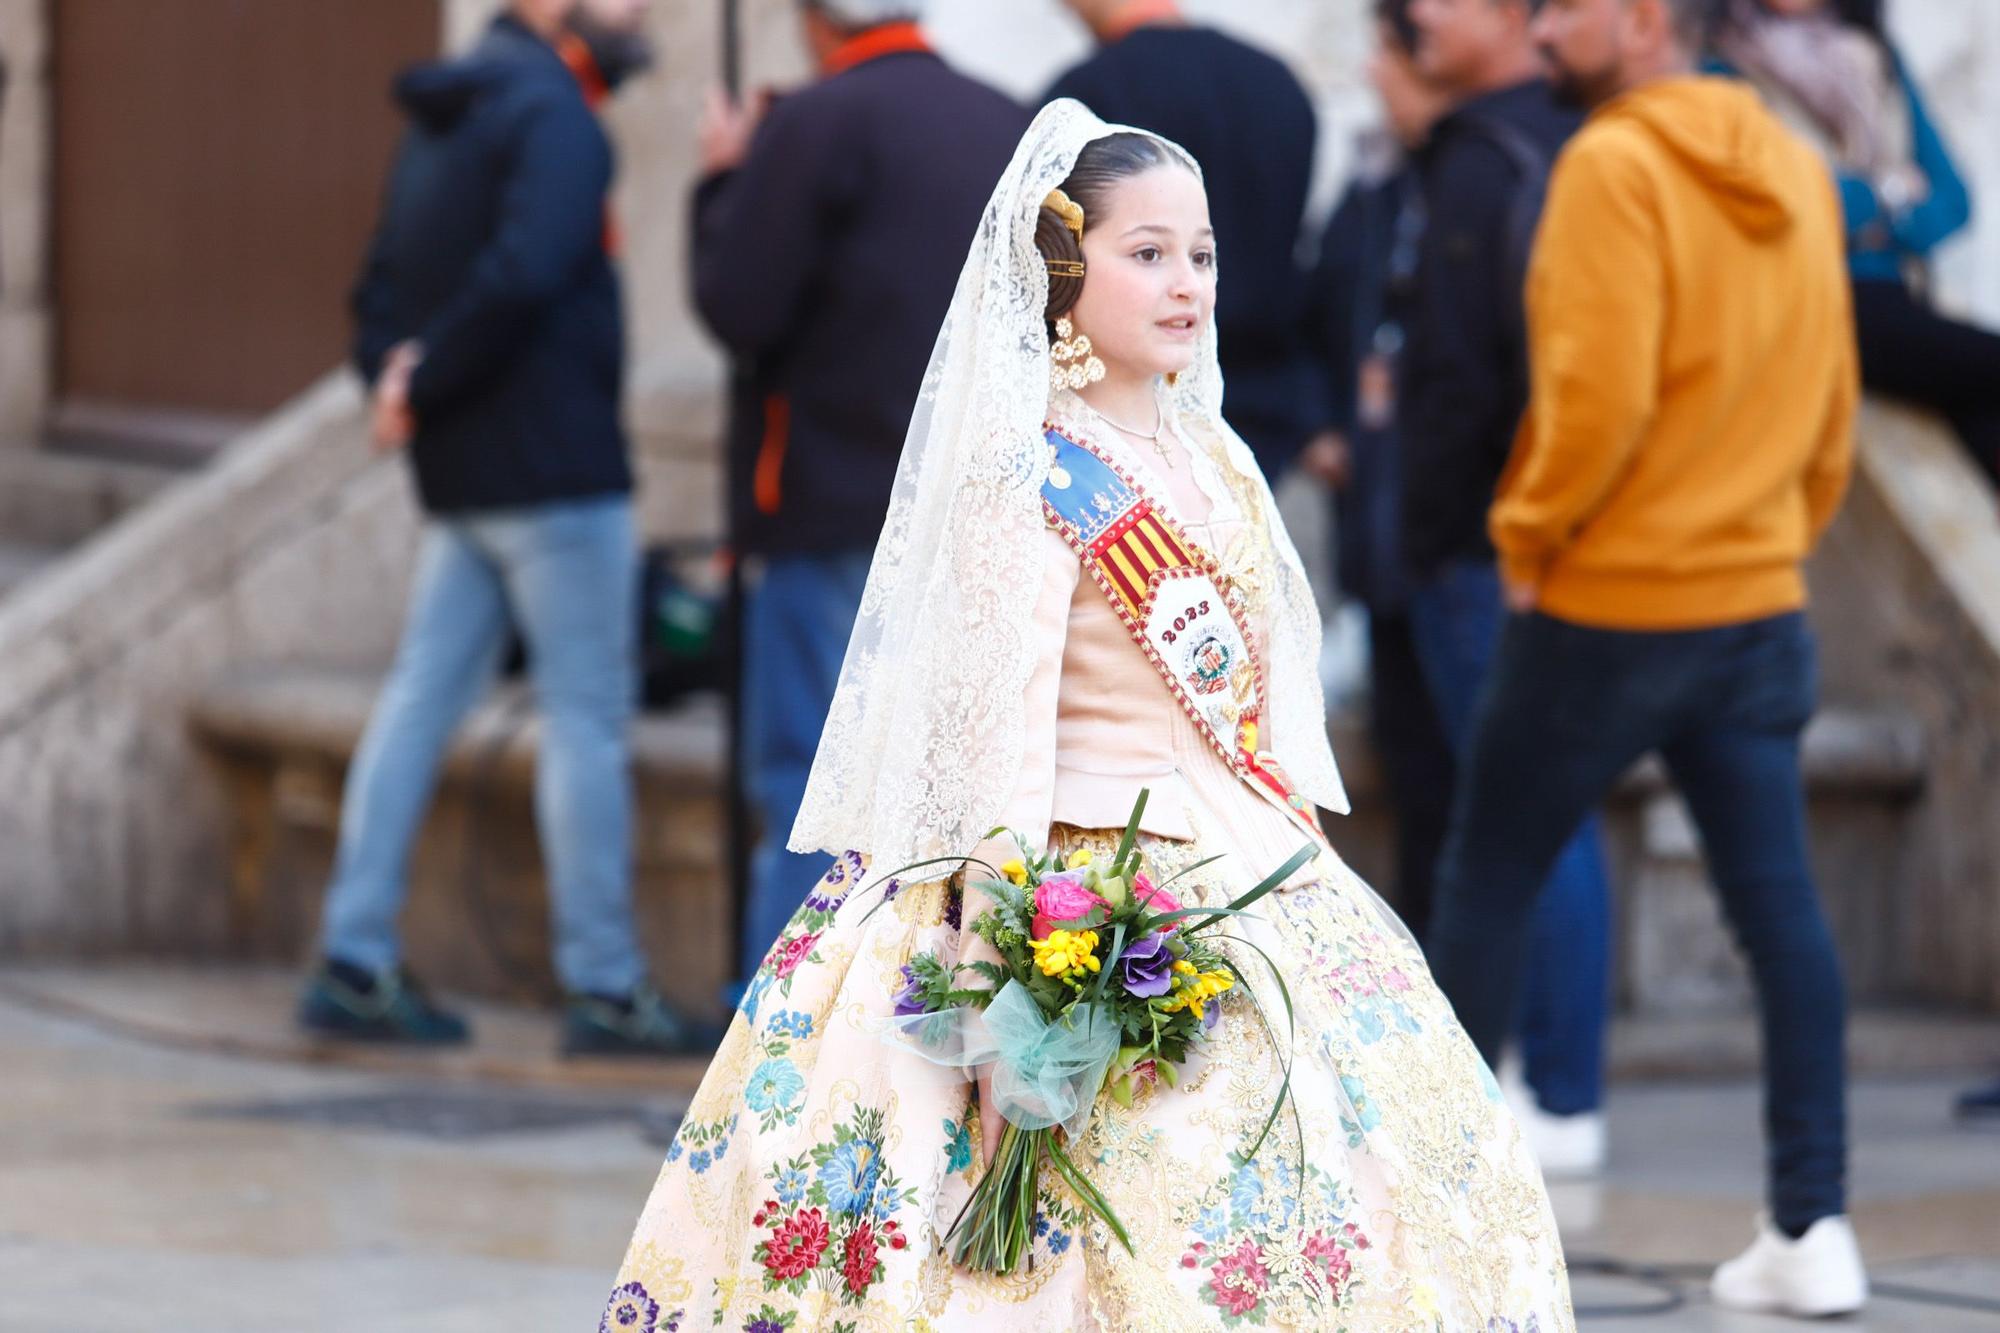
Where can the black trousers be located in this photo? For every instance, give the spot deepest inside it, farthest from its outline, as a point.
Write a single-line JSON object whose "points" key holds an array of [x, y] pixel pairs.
{"points": [[1417, 765], [1910, 351], [1567, 709]]}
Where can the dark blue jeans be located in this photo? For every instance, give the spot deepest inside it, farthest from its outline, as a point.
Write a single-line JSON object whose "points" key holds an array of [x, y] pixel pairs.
{"points": [[1456, 617], [1568, 710], [799, 618]]}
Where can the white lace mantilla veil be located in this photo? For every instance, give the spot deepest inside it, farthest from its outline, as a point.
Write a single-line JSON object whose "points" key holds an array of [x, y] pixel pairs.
{"points": [[925, 738]]}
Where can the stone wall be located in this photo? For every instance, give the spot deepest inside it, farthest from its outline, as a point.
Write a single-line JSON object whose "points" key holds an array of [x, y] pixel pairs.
{"points": [[1907, 604], [280, 551], [1954, 48]]}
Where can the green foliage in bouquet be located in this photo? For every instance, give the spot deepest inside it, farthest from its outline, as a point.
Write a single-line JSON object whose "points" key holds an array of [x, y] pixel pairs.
{"points": [[1105, 982]]}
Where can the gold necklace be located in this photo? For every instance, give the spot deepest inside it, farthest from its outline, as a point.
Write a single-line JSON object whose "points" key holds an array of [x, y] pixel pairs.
{"points": [[1151, 437]]}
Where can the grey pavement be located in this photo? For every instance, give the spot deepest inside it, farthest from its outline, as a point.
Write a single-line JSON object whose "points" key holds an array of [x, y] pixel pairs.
{"points": [[149, 1183]]}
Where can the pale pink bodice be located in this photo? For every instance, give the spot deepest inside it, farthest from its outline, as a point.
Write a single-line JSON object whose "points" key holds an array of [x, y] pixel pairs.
{"points": [[1101, 723]]}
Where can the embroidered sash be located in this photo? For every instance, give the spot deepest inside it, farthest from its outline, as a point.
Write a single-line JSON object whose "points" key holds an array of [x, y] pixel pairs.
{"points": [[1174, 601]]}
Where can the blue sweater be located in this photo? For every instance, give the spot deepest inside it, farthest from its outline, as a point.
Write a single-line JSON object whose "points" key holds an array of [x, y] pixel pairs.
{"points": [[1880, 242]]}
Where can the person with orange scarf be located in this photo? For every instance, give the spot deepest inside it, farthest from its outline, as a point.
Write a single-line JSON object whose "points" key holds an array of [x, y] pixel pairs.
{"points": [[488, 329]]}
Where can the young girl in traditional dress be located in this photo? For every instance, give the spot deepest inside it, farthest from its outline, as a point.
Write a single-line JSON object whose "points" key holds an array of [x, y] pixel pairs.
{"points": [[1083, 589]]}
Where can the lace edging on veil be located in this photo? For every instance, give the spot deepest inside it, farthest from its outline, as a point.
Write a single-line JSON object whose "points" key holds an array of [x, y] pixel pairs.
{"points": [[925, 737]]}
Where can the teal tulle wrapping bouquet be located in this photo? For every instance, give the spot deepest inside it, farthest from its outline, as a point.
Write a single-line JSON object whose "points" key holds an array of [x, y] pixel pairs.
{"points": [[1105, 982]]}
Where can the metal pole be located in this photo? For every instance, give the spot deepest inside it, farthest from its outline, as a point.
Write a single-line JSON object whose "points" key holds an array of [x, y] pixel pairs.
{"points": [[732, 47], [737, 831]]}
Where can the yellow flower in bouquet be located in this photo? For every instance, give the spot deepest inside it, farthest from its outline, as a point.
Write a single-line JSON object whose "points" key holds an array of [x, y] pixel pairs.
{"points": [[1103, 982], [1193, 989], [1067, 953]]}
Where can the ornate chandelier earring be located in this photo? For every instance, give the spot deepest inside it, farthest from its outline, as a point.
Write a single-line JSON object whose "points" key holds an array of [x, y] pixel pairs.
{"points": [[1071, 363]]}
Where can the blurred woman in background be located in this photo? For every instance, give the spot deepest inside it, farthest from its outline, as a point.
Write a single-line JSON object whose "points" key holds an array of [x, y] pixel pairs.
{"points": [[1828, 68]]}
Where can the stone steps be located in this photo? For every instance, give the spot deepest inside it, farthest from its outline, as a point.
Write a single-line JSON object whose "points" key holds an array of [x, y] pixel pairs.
{"points": [[54, 499], [280, 739], [21, 561]]}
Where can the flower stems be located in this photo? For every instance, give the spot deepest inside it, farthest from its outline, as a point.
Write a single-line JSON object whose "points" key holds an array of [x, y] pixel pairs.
{"points": [[996, 1230], [1093, 1199]]}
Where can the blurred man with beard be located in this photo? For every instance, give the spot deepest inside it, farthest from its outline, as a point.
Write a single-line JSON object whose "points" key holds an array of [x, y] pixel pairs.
{"points": [[1688, 439]]}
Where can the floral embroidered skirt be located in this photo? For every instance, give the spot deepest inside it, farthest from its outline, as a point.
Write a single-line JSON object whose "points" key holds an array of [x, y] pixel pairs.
{"points": [[819, 1165]]}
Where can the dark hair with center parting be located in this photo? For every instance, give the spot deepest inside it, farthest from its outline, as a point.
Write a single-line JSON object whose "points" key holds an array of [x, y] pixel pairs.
{"points": [[1099, 167], [1865, 15]]}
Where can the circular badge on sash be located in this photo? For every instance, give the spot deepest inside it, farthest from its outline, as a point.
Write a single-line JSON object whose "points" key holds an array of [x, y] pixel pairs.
{"points": [[1208, 665]]}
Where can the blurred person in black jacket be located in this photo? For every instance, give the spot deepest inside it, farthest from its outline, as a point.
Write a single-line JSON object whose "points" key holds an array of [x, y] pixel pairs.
{"points": [[829, 228], [1483, 172], [489, 329], [1250, 125], [1358, 301]]}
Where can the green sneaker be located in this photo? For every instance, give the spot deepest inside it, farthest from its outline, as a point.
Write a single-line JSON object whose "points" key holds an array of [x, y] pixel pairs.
{"points": [[636, 1023], [354, 1004]]}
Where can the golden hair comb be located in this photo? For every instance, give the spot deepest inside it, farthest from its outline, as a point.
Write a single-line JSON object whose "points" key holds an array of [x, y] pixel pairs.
{"points": [[1069, 209]]}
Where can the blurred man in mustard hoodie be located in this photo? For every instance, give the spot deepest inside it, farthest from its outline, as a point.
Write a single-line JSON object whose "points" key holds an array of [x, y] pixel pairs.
{"points": [[1688, 439]]}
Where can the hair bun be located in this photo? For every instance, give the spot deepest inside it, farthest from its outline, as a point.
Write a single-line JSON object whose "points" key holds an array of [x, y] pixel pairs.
{"points": [[1057, 242]]}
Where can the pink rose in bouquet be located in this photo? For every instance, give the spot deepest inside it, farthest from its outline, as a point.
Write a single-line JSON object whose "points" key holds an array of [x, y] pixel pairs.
{"points": [[1063, 897], [1154, 898], [1096, 964]]}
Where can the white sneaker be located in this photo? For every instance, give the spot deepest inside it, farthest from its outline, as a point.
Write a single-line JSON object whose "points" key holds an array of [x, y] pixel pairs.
{"points": [[1820, 1273], [1566, 1147]]}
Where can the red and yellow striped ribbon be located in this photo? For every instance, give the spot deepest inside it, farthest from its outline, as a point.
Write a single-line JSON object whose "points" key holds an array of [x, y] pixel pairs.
{"points": [[1133, 550]]}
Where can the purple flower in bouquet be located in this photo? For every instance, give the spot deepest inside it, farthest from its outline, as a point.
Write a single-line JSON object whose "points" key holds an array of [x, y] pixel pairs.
{"points": [[1146, 967], [910, 999]]}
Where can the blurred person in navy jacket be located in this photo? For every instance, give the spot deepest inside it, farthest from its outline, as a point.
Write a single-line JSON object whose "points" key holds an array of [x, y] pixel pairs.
{"points": [[490, 332], [829, 228], [1250, 125]]}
